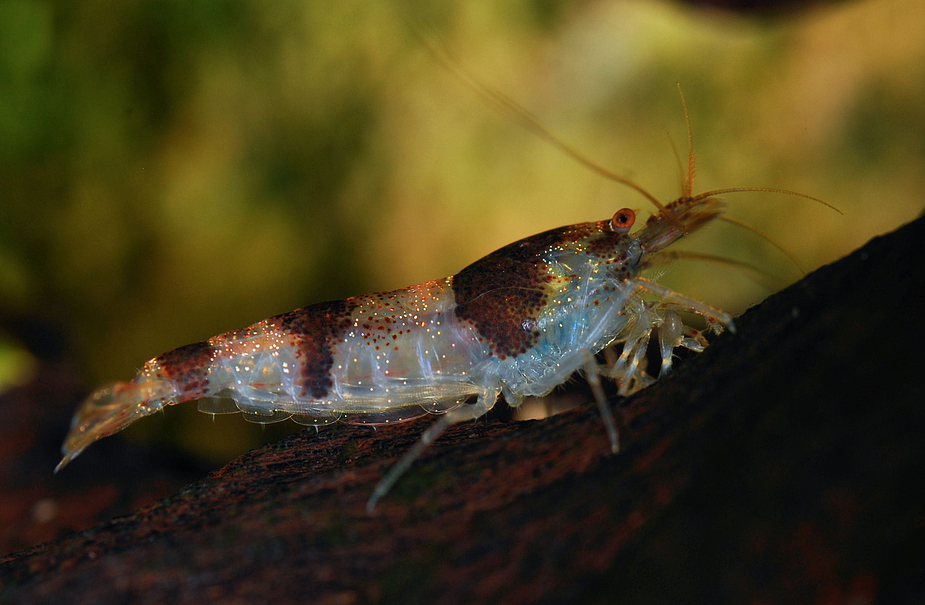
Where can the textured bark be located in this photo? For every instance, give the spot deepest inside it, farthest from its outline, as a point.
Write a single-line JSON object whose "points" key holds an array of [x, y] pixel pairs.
{"points": [[782, 465]]}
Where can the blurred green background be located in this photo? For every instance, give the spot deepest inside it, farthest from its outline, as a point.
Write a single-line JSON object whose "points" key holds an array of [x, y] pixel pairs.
{"points": [[170, 170]]}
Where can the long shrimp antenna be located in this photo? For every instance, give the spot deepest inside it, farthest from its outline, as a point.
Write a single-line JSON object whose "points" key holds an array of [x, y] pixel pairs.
{"points": [[767, 238], [665, 257], [513, 110], [707, 194]]}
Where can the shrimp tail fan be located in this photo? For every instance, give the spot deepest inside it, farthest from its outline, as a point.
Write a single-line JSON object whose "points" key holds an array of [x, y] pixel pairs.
{"points": [[110, 409]]}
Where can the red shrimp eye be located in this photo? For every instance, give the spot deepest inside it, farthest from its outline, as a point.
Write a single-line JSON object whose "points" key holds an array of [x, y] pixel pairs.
{"points": [[623, 220]]}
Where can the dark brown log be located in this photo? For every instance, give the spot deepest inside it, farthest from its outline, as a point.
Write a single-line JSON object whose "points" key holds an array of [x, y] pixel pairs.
{"points": [[782, 465]]}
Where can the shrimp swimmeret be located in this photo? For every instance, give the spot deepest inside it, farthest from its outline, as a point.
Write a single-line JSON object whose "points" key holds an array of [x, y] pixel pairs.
{"points": [[517, 322]]}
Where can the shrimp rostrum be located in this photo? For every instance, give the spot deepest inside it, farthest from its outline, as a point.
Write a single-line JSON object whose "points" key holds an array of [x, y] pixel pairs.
{"points": [[517, 322]]}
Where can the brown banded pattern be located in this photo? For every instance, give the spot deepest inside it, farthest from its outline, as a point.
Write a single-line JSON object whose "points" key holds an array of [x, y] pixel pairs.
{"points": [[316, 328]]}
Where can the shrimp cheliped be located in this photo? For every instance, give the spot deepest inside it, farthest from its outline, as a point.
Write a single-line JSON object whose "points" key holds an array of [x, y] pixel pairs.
{"points": [[518, 322]]}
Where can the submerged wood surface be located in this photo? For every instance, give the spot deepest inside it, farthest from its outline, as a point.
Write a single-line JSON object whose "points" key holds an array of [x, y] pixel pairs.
{"points": [[782, 465]]}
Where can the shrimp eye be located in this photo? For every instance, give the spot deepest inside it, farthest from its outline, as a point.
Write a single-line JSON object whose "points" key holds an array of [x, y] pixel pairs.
{"points": [[623, 220]]}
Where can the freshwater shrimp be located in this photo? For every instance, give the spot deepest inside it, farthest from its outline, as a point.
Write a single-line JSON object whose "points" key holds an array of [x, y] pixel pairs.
{"points": [[518, 322]]}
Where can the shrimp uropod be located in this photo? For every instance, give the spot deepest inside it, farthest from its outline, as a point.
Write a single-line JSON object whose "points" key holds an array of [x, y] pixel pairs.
{"points": [[518, 322]]}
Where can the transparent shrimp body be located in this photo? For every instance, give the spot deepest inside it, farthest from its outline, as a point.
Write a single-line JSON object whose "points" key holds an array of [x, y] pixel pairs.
{"points": [[520, 321]]}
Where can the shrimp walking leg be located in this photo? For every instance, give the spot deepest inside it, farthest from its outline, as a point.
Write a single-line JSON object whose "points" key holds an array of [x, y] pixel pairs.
{"points": [[593, 376], [644, 316], [670, 336], [463, 413], [716, 318]]}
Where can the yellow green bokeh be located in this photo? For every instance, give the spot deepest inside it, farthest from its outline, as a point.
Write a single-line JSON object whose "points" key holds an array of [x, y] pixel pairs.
{"points": [[171, 170]]}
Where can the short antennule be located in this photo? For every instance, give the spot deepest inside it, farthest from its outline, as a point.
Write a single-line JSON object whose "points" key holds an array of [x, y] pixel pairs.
{"points": [[688, 190]]}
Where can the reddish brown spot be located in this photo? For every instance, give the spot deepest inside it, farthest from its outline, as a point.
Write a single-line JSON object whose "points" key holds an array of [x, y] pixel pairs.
{"points": [[503, 293], [317, 328], [608, 245], [187, 367]]}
